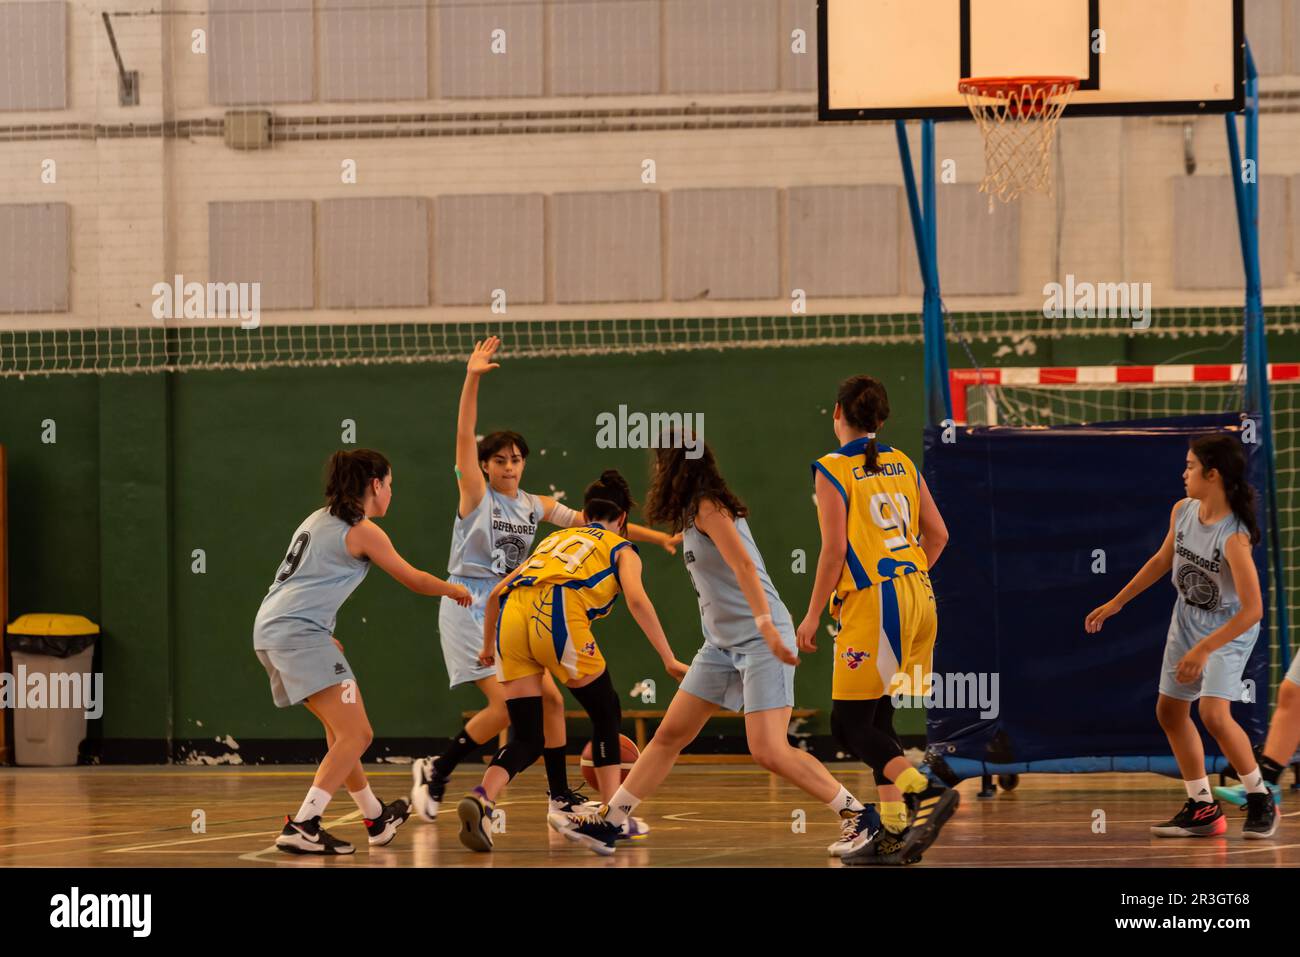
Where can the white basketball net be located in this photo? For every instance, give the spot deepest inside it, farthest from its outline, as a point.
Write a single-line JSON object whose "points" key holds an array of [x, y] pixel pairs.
{"points": [[1018, 120]]}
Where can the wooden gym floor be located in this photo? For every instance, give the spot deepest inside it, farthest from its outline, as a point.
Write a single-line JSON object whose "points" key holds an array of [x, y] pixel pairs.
{"points": [[706, 815]]}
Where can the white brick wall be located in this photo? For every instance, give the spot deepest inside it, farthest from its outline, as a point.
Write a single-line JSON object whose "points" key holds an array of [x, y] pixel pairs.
{"points": [[139, 201]]}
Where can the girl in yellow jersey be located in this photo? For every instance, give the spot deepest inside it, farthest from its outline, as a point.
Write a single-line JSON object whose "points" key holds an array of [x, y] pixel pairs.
{"points": [[538, 621], [881, 532]]}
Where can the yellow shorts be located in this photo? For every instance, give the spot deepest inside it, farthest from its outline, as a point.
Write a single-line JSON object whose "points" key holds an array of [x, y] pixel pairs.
{"points": [[886, 637], [537, 633]]}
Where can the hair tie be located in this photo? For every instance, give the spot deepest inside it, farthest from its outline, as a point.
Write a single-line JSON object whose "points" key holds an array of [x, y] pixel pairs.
{"points": [[871, 435]]}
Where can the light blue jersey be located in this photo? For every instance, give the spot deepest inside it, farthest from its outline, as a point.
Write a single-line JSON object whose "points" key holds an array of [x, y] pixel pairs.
{"points": [[486, 545], [725, 615], [496, 536], [314, 580], [1207, 597]]}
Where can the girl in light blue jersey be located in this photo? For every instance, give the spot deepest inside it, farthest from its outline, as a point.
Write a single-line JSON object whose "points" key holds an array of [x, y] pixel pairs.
{"points": [[496, 522], [748, 657], [1214, 626], [293, 635]]}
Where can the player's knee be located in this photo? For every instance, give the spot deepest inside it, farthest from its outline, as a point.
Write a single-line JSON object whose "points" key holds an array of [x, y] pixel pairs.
{"points": [[768, 755], [600, 701], [1288, 696], [552, 700], [529, 739], [1170, 713], [1216, 718]]}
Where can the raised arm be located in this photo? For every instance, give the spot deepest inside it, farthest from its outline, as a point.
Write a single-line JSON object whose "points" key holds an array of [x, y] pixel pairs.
{"points": [[1157, 567], [720, 526], [832, 517], [469, 477], [367, 540], [638, 603]]}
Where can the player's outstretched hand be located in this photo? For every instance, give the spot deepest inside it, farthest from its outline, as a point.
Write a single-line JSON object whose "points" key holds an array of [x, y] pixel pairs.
{"points": [[460, 595], [1092, 624], [480, 361], [671, 542], [806, 634], [676, 669]]}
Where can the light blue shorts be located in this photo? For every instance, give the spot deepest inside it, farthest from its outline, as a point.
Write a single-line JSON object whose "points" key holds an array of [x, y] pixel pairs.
{"points": [[745, 677], [298, 673], [1222, 675], [460, 630]]}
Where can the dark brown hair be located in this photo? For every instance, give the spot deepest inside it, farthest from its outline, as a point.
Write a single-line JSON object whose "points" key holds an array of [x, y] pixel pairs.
{"points": [[607, 498], [494, 443], [1224, 453], [865, 406], [679, 485], [347, 477]]}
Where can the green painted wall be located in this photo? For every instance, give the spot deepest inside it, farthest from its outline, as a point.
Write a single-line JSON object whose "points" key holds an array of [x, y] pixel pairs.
{"points": [[147, 469]]}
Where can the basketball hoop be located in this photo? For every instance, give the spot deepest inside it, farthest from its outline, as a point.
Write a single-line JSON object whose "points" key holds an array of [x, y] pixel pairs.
{"points": [[1017, 116]]}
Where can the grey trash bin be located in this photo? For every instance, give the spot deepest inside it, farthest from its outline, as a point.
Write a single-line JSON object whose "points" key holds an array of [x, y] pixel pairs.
{"points": [[50, 654]]}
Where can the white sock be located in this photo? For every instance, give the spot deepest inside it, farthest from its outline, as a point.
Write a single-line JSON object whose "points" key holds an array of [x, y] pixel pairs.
{"points": [[313, 804], [621, 806], [1199, 790], [1254, 782], [844, 801], [370, 805]]}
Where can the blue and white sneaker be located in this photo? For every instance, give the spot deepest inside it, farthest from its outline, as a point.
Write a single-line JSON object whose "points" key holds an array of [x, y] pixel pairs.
{"points": [[1236, 794], [591, 828], [856, 829], [636, 829]]}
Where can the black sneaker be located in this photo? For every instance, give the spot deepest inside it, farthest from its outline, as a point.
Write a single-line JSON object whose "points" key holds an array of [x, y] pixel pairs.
{"points": [[308, 837], [883, 848], [590, 828], [475, 812], [383, 829], [427, 789], [1261, 817], [928, 811], [1196, 819]]}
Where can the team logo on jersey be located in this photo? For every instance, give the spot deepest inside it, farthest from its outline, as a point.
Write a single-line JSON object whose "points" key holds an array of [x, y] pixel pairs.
{"points": [[589, 648], [1197, 588], [854, 658], [892, 568], [513, 551]]}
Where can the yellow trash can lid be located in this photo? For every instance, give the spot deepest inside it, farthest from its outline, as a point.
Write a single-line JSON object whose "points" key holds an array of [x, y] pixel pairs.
{"points": [[48, 624]]}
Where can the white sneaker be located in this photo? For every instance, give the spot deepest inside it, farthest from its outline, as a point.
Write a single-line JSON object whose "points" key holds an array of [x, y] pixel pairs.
{"points": [[855, 830], [426, 789], [636, 829]]}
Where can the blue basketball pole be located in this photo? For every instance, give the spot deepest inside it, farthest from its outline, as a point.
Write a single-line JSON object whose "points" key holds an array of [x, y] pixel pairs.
{"points": [[1258, 400], [925, 232]]}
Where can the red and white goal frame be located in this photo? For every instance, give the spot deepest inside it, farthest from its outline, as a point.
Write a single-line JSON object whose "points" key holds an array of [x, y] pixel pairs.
{"points": [[960, 380]]}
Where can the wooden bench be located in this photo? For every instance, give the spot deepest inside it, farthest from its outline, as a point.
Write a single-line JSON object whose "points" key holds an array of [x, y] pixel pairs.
{"points": [[640, 717]]}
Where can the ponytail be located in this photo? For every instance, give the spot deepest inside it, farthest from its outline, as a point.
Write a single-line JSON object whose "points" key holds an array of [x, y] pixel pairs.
{"points": [[1224, 453], [865, 405], [607, 498], [347, 478]]}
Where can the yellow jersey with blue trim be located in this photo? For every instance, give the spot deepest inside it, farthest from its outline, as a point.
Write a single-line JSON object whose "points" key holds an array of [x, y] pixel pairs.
{"points": [[883, 514], [581, 560]]}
